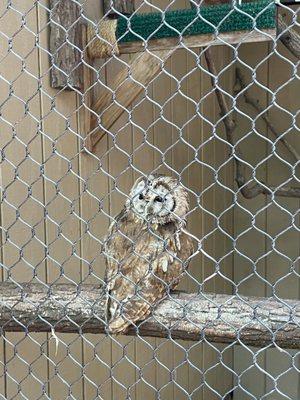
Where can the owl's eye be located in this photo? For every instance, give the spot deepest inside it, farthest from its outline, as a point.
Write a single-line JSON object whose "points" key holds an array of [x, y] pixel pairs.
{"points": [[141, 197], [159, 199]]}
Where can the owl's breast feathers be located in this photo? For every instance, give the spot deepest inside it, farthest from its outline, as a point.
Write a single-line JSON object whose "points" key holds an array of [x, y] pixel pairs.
{"points": [[143, 263]]}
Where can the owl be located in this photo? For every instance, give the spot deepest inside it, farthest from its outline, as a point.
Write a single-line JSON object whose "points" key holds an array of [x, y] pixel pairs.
{"points": [[147, 250]]}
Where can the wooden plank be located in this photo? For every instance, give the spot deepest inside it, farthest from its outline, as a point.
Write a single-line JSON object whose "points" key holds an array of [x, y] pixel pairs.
{"points": [[95, 224], [94, 191], [64, 248], [197, 41], [207, 200], [193, 135], [143, 160], [161, 117], [214, 202], [61, 190], [126, 85], [168, 354], [143, 163], [223, 266], [86, 97], [180, 160], [249, 282], [4, 93], [65, 42], [278, 220], [22, 190], [121, 148], [94, 205]]}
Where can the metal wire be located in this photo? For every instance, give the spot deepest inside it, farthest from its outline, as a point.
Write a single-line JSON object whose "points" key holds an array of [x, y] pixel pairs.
{"points": [[59, 198]]}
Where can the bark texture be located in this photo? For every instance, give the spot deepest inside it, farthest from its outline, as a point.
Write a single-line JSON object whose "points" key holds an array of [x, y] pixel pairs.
{"points": [[289, 37], [65, 45], [217, 317]]}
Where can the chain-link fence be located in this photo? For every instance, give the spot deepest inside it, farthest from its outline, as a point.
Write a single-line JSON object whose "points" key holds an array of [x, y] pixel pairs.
{"points": [[149, 200]]}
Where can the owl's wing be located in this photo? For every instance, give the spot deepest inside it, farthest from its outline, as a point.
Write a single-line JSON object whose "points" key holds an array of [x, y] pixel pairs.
{"points": [[114, 249], [135, 288], [145, 280], [116, 246], [136, 306]]}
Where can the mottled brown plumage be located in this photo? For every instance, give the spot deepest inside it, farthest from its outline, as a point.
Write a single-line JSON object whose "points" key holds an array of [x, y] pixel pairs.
{"points": [[147, 250]]}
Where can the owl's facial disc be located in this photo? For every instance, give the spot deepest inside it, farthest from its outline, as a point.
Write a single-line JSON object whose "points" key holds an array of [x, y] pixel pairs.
{"points": [[159, 199], [160, 202], [152, 201]]}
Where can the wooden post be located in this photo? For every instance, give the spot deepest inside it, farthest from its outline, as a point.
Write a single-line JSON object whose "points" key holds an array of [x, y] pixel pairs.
{"points": [[113, 7], [65, 42]]}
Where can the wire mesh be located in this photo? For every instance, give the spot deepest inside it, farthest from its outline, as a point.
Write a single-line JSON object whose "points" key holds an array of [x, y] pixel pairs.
{"points": [[238, 165]]}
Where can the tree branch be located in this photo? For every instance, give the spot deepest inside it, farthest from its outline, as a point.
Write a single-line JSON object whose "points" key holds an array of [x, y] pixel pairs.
{"points": [[217, 317], [247, 191]]}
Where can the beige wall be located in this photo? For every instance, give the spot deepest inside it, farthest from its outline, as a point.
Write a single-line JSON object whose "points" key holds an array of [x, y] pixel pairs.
{"points": [[73, 239]]}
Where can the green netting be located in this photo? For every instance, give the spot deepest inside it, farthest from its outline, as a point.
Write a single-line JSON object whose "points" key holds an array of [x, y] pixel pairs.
{"points": [[191, 22]]}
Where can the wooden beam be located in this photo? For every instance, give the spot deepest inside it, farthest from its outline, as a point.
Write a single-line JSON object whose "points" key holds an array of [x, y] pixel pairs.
{"points": [[132, 79], [197, 41], [219, 318], [86, 97], [202, 3], [65, 45], [116, 7], [289, 37], [128, 84]]}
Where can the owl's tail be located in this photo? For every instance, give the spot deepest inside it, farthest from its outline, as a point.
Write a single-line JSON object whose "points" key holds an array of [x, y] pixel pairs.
{"points": [[135, 310], [119, 325]]}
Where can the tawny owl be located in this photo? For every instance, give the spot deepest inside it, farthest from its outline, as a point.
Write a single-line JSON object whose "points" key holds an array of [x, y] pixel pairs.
{"points": [[147, 250]]}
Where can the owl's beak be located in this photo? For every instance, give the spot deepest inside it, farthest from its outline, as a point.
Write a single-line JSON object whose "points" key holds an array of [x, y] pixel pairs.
{"points": [[150, 210]]}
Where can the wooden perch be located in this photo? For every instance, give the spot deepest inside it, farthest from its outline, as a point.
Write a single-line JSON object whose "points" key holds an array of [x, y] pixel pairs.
{"points": [[65, 44], [217, 317], [127, 85], [197, 41]]}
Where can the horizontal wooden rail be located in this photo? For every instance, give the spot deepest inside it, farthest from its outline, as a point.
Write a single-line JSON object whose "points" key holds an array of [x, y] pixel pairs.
{"points": [[197, 41], [217, 317]]}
